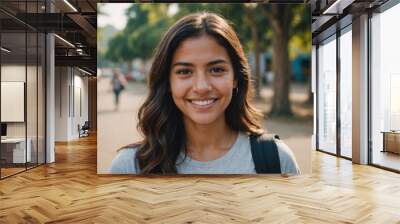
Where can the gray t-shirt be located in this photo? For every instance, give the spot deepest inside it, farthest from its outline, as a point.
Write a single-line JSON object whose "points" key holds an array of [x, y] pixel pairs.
{"points": [[238, 160]]}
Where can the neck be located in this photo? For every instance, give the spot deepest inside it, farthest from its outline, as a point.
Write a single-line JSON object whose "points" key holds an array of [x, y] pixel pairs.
{"points": [[207, 142]]}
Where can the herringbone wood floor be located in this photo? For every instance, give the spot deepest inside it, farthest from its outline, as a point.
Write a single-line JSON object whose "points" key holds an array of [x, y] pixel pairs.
{"points": [[70, 191]]}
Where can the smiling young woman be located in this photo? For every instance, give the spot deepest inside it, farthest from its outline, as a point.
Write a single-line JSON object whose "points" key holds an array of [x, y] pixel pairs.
{"points": [[198, 116]]}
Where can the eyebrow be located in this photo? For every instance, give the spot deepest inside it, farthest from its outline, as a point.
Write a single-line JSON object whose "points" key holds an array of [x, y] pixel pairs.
{"points": [[218, 61]]}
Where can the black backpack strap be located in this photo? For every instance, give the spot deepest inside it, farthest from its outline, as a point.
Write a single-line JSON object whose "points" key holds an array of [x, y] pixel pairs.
{"points": [[265, 154]]}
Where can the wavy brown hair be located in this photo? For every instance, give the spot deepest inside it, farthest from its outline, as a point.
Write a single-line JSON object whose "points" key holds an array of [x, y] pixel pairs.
{"points": [[161, 122]]}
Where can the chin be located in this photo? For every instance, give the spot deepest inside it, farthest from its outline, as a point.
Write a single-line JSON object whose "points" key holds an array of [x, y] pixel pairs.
{"points": [[203, 119]]}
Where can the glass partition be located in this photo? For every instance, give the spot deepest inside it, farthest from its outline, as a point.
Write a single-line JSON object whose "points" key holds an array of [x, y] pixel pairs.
{"points": [[31, 99], [22, 89], [14, 153]]}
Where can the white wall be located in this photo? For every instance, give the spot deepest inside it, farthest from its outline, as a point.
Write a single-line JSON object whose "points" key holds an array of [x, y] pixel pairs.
{"points": [[14, 73], [62, 80], [80, 110], [71, 93]]}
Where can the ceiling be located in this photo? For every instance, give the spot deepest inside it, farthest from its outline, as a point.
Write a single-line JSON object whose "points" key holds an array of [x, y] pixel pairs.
{"points": [[74, 21], [329, 15]]}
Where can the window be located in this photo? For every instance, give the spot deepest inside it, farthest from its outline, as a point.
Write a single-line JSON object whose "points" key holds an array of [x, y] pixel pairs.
{"points": [[346, 92], [327, 95], [385, 88]]}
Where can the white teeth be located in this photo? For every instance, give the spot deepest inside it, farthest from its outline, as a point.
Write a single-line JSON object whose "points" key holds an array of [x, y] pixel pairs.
{"points": [[202, 102]]}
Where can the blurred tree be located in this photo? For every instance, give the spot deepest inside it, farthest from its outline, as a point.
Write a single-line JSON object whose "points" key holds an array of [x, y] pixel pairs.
{"points": [[145, 26], [250, 15], [301, 41], [279, 16], [100, 12], [285, 22], [100, 51], [117, 49]]}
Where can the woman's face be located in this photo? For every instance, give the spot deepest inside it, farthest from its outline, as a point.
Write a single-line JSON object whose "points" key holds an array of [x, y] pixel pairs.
{"points": [[202, 79]]}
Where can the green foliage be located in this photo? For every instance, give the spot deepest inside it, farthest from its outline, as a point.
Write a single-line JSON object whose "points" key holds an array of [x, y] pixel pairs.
{"points": [[147, 23], [117, 49]]}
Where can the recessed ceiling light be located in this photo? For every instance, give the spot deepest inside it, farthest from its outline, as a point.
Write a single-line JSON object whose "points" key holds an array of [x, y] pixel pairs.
{"points": [[70, 5], [5, 49], [337, 7], [64, 40], [86, 72]]}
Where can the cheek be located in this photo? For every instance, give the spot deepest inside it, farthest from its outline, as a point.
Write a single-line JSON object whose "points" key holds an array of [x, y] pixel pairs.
{"points": [[227, 91], [225, 87], [178, 89]]}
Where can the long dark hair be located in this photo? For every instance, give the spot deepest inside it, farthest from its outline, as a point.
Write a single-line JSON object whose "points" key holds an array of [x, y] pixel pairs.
{"points": [[160, 121]]}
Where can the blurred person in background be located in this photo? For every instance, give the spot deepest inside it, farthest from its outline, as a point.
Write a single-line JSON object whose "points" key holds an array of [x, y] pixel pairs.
{"points": [[118, 83]]}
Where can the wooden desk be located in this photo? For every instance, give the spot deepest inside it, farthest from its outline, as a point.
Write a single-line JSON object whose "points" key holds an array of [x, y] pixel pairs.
{"points": [[391, 141], [13, 150]]}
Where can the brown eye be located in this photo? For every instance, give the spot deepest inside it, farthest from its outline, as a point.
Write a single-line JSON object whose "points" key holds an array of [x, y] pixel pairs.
{"points": [[217, 70], [183, 72]]}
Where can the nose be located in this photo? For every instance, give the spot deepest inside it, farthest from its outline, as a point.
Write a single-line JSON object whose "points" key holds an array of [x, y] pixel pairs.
{"points": [[201, 83]]}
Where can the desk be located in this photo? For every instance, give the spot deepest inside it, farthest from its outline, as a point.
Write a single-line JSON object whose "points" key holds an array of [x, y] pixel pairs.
{"points": [[391, 141], [15, 148]]}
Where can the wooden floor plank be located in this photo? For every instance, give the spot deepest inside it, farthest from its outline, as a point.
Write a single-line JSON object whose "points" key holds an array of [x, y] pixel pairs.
{"points": [[70, 191]]}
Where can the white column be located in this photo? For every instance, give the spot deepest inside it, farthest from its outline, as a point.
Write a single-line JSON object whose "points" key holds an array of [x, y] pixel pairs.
{"points": [[50, 99], [50, 92], [62, 103], [360, 90]]}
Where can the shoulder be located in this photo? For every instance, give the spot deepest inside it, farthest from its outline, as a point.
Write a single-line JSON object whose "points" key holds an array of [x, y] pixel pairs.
{"points": [[125, 162], [287, 159]]}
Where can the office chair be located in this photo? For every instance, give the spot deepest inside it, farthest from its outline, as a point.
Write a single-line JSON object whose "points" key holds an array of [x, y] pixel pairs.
{"points": [[84, 130]]}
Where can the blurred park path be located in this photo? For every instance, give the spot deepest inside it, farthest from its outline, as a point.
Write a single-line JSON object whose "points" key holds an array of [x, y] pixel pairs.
{"points": [[118, 128]]}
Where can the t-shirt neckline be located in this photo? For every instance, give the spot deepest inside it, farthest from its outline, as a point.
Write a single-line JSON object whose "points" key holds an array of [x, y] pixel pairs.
{"points": [[226, 156]]}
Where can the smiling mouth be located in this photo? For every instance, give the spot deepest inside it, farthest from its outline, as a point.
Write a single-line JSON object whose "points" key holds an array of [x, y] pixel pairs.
{"points": [[203, 103]]}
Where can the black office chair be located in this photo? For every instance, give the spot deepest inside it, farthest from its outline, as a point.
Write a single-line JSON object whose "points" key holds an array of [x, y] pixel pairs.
{"points": [[84, 130]]}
